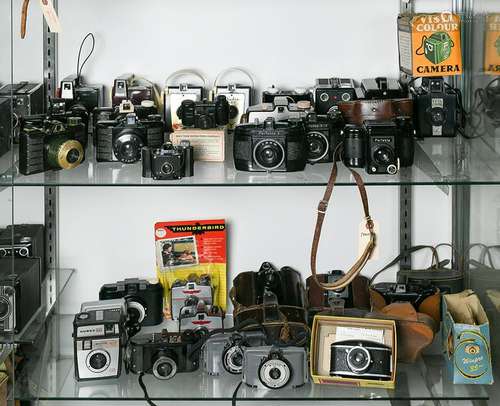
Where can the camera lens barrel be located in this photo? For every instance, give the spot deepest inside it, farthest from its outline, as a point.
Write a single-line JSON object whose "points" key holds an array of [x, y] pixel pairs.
{"points": [[354, 147]]}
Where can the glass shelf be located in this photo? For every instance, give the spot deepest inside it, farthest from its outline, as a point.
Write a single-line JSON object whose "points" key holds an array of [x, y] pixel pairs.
{"points": [[53, 379], [436, 163]]}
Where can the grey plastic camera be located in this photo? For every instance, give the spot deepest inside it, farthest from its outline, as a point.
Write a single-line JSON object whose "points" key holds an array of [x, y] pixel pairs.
{"points": [[275, 368]]}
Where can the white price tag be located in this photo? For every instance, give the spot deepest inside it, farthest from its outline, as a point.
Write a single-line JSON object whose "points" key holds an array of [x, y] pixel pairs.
{"points": [[364, 238], [358, 333], [50, 15]]}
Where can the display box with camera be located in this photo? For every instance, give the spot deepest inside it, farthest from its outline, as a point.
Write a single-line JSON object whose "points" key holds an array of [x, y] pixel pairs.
{"points": [[208, 144], [492, 44], [353, 351]]}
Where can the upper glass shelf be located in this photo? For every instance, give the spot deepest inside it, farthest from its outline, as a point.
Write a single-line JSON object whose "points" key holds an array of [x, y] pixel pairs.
{"points": [[439, 162]]}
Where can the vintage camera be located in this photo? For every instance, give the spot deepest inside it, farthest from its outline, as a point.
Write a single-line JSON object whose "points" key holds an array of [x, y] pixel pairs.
{"points": [[144, 299], [195, 313], [6, 121], [270, 146], [414, 293], [204, 114], [20, 297], [28, 242], [293, 96], [381, 147], [270, 367], [490, 98], [324, 134], [223, 352], [126, 87], [280, 109], [437, 47], [200, 287], [361, 360], [76, 93], [382, 88], [168, 162], [165, 354], [330, 92], [437, 111], [98, 338], [122, 137], [46, 144]]}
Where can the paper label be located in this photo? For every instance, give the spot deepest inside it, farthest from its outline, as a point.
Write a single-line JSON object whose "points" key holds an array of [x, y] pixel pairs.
{"points": [[364, 238], [492, 45], [358, 333], [50, 15]]}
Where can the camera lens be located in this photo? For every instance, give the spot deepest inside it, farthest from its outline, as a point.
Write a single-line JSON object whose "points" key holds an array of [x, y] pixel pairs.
{"points": [[73, 155], [437, 116], [204, 122], [232, 359], [127, 148], [23, 252], [167, 168], [233, 112], [384, 155], [358, 359], [275, 373], [3, 252], [268, 154], [4, 308], [136, 312], [164, 368], [63, 153], [318, 146], [98, 360]]}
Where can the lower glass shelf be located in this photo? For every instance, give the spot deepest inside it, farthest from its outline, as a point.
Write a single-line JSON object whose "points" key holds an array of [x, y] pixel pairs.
{"points": [[51, 377]]}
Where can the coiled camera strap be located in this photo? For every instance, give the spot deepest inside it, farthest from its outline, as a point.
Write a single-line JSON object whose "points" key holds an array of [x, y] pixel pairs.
{"points": [[322, 209]]}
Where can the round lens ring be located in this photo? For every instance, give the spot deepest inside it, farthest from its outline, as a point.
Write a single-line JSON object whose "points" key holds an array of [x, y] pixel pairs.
{"points": [[4, 308], [318, 146], [98, 361], [232, 359], [358, 359], [384, 155], [164, 368], [268, 154], [167, 168], [275, 373]]}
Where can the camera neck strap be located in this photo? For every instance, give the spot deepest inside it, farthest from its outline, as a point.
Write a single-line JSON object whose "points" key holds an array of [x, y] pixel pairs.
{"points": [[322, 209]]}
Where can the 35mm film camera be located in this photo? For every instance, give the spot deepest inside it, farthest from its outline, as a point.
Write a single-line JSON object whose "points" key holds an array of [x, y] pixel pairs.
{"points": [[168, 162]]}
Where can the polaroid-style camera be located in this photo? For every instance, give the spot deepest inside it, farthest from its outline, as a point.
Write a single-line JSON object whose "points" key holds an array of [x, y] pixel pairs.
{"points": [[75, 93], [381, 147], [98, 338], [166, 354], [437, 109], [270, 146], [270, 367], [144, 299], [382, 88], [223, 352], [168, 162], [330, 92], [361, 360], [120, 138], [293, 96], [414, 293], [204, 114], [195, 313], [281, 109], [199, 287], [324, 134], [46, 143], [125, 87], [238, 96]]}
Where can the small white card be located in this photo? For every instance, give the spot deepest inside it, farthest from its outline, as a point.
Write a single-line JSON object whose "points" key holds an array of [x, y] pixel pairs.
{"points": [[364, 238], [358, 333], [50, 15]]}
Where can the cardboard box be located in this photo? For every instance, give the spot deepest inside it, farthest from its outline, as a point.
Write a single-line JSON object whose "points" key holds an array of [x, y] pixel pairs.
{"points": [[430, 44], [328, 329], [466, 339], [209, 145], [492, 45]]}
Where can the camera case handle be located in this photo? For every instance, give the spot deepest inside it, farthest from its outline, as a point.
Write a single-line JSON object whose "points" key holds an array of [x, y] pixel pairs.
{"points": [[185, 72], [227, 71]]}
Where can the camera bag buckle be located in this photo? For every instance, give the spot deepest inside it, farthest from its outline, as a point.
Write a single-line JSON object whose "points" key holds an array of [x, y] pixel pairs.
{"points": [[322, 206]]}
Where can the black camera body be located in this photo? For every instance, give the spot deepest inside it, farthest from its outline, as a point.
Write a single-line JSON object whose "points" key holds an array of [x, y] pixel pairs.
{"points": [[415, 293], [324, 134], [381, 147], [125, 87], [76, 93], [165, 354], [330, 92], [144, 299], [490, 96], [46, 143], [293, 96], [204, 114], [270, 146], [437, 111], [168, 162], [361, 360], [122, 137], [382, 88]]}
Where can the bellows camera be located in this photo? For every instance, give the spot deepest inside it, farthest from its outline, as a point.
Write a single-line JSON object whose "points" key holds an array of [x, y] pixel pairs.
{"points": [[361, 359], [332, 91], [382, 88], [195, 314], [381, 147], [223, 352], [281, 109], [275, 368], [75, 93], [204, 114], [165, 354], [46, 143], [19, 293], [193, 286], [168, 162], [270, 146], [324, 133], [144, 299], [98, 337], [437, 111], [121, 137]]}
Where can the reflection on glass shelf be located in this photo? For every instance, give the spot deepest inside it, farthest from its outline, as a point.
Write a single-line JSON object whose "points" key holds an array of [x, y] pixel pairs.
{"points": [[52, 378], [437, 161]]}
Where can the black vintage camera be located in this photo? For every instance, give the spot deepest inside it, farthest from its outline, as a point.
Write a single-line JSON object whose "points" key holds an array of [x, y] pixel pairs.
{"points": [[270, 146], [165, 354], [324, 134], [361, 359], [382, 88], [332, 91], [293, 96], [144, 299], [204, 114], [76, 93], [46, 143], [121, 137], [381, 147], [437, 109], [415, 293], [168, 162]]}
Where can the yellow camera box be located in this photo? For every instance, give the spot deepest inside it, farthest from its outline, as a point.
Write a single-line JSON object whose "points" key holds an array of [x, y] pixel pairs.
{"points": [[208, 145], [430, 44], [327, 330], [492, 45]]}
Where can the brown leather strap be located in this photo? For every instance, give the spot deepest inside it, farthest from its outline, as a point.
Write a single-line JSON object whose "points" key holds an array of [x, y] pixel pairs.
{"points": [[24, 17], [322, 208]]}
